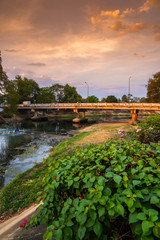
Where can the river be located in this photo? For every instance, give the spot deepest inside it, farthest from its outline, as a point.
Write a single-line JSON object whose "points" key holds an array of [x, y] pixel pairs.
{"points": [[32, 142]]}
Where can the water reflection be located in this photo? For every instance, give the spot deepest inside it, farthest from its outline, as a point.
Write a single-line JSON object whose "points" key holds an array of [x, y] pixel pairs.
{"points": [[19, 152]]}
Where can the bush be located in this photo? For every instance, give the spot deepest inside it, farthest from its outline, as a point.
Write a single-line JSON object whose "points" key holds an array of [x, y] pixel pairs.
{"points": [[148, 130], [101, 192]]}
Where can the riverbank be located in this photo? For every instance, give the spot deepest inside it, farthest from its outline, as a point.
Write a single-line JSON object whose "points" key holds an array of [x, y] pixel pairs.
{"points": [[27, 184]]}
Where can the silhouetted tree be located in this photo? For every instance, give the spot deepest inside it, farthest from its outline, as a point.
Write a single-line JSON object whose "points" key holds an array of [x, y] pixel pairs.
{"points": [[71, 95], [111, 99], [27, 89], [92, 99], [124, 98], [153, 88], [45, 95]]}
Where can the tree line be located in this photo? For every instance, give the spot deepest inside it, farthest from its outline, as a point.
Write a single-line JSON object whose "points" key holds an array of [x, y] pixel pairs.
{"points": [[21, 89]]}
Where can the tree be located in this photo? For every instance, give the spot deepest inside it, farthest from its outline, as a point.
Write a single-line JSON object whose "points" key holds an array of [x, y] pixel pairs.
{"points": [[45, 95], [92, 99], [111, 99], [12, 96], [58, 91], [27, 89], [153, 88], [143, 100], [3, 78], [71, 95], [124, 98]]}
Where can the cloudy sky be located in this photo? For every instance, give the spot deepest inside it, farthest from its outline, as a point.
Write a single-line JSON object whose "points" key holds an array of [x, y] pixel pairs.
{"points": [[101, 42]]}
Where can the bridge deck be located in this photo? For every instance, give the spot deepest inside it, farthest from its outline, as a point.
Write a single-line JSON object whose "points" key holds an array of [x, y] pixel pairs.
{"points": [[87, 106]]}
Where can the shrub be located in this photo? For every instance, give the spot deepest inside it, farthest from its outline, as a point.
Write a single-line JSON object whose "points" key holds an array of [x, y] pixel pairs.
{"points": [[100, 190], [148, 130]]}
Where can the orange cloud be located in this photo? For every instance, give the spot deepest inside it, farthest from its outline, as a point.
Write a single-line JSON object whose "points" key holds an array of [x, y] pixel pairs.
{"points": [[128, 11], [148, 4], [128, 28], [157, 37], [138, 54], [112, 14], [103, 16]]}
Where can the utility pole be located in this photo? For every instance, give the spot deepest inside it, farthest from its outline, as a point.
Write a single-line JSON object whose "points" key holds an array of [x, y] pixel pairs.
{"points": [[129, 94], [87, 89]]}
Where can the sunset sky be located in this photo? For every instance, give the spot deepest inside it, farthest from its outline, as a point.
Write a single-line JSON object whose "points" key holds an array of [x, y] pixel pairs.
{"points": [[101, 42]]}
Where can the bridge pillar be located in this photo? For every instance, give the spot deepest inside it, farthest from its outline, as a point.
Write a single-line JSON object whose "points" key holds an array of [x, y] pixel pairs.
{"points": [[134, 115], [83, 114]]}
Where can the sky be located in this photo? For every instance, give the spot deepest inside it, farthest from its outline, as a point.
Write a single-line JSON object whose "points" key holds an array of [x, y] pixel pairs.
{"points": [[99, 44]]}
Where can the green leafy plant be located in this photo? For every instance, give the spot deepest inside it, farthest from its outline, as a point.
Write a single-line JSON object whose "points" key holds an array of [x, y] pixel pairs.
{"points": [[148, 130], [101, 192]]}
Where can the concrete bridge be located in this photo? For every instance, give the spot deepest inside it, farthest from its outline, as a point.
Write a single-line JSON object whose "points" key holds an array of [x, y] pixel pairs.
{"points": [[82, 107]]}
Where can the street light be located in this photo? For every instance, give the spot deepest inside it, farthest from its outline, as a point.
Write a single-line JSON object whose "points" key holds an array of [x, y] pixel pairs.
{"points": [[129, 95], [87, 89]]}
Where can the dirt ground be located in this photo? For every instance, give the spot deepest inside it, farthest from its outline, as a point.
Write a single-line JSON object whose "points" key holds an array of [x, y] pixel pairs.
{"points": [[102, 131]]}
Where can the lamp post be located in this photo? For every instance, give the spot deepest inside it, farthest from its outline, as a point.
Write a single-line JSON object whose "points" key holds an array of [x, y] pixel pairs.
{"points": [[87, 89], [129, 90]]}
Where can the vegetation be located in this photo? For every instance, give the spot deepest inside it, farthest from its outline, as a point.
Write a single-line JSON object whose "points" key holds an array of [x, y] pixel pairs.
{"points": [[92, 99], [106, 191], [111, 99], [27, 89], [148, 130], [153, 88], [95, 192]]}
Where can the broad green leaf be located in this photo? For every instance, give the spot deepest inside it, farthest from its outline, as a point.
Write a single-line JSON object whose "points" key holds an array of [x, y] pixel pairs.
{"points": [[145, 227], [109, 174], [81, 232], [117, 179], [70, 183], [129, 202], [136, 182], [154, 200], [76, 179], [81, 218], [107, 191], [153, 215], [141, 216], [49, 236], [101, 181], [101, 211], [58, 234], [93, 214], [133, 218], [125, 178], [90, 222], [92, 179], [51, 227], [120, 210], [97, 228], [102, 201]]}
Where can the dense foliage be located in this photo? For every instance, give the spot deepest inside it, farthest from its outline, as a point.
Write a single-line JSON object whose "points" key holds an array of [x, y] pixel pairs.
{"points": [[153, 88], [148, 130], [101, 192]]}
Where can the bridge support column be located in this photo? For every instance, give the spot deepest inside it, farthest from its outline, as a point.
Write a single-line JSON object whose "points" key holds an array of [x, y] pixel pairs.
{"points": [[134, 115], [83, 114]]}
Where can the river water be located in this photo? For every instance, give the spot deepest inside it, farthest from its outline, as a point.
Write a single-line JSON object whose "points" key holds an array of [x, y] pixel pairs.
{"points": [[29, 144], [32, 142]]}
